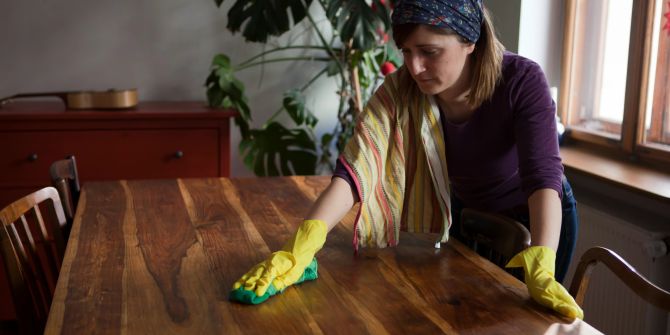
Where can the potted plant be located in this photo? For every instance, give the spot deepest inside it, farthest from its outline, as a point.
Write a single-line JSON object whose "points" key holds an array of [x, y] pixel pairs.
{"points": [[354, 51]]}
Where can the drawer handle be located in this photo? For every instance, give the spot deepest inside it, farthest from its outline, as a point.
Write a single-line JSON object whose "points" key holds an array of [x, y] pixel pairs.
{"points": [[32, 157], [179, 154]]}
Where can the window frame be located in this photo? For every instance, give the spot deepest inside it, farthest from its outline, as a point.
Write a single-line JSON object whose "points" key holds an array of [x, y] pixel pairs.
{"points": [[630, 145]]}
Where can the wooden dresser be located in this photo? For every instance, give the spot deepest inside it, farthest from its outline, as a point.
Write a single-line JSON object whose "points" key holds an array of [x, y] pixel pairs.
{"points": [[154, 140]]}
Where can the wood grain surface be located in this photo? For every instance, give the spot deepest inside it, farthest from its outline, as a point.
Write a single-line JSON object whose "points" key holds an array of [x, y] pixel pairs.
{"points": [[160, 256]]}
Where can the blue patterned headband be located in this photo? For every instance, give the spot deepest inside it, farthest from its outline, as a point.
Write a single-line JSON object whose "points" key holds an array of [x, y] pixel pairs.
{"points": [[463, 16]]}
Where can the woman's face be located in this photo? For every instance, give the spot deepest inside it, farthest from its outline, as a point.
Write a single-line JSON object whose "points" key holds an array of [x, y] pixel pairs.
{"points": [[436, 61]]}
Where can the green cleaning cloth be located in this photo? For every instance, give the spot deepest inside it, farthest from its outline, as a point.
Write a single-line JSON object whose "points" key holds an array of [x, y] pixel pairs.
{"points": [[249, 297]]}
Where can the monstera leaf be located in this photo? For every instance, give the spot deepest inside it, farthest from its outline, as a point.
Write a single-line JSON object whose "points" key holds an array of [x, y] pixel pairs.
{"points": [[274, 150], [356, 21], [225, 90], [294, 104], [260, 19]]}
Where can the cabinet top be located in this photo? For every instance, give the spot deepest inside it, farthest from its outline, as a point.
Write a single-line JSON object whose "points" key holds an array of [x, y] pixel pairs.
{"points": [[145, 110]]}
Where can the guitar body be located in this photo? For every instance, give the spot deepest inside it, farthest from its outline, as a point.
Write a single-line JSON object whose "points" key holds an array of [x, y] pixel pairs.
{"points": [[110, 99]]}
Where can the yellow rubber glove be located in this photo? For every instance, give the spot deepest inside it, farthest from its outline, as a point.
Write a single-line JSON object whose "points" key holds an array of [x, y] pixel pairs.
{"points": [[285, 267], [538, 264]]}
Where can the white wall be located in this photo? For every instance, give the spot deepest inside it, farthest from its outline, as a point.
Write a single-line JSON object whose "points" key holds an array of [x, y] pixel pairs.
{"points": [[533, 29], [541, 35], [506, 19], [162, 47]]}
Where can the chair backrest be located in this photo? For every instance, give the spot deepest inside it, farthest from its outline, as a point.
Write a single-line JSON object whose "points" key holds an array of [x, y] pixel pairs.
{"points": [[65, 179], [494, 236], [624, 271], [32, 249]]}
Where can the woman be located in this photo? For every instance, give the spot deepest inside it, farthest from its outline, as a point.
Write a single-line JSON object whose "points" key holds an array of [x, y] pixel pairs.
{"points": [[460, 124]]}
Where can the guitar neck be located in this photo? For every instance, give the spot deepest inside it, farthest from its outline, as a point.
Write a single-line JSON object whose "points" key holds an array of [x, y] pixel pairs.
{"points": [[61, 95], [110, 99]]}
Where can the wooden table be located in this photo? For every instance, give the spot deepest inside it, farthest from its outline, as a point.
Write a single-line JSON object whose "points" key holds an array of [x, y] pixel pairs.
{"points": [[160, 256]]}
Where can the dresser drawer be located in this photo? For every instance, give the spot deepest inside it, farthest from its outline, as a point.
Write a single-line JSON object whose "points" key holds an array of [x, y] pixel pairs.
{"points": [[110, 154]]}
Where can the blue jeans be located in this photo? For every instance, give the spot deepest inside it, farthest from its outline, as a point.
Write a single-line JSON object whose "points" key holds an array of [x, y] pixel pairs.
{"points": [[569, 227]]}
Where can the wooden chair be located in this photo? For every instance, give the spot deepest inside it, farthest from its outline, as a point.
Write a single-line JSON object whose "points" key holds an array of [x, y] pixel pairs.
{"points": [[493, 236], [65, 179], [624, 271], [33, 248]]}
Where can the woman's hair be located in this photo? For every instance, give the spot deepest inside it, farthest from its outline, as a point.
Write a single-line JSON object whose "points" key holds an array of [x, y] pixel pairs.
{"points": [[487, 57]]}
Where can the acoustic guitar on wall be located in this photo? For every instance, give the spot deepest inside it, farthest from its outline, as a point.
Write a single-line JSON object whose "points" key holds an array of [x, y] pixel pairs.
{"points": [[110, 99]]}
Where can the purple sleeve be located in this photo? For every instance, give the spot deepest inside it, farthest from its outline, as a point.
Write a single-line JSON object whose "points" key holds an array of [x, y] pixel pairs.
{"points": [[535, 130], [341, 172]]}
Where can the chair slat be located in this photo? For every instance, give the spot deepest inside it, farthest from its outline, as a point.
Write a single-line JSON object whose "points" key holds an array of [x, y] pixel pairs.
{"points": [[26, 228], [40, 221], [33, 249], [18, 242]]}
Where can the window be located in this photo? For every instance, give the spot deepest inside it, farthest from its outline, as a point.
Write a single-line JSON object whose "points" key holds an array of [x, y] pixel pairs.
{"points": [[615, 85]]}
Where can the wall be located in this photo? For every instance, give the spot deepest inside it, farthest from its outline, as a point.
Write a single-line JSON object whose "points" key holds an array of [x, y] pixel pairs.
{"points": [[533, 29], [506, 18], [541, 35]]}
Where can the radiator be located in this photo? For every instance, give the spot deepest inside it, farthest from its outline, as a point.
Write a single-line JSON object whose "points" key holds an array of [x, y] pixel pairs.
{"points": [[609, 305]]}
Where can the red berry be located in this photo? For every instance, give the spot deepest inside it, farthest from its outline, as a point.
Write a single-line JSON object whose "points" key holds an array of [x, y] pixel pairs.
{"points": [[387, 68]]}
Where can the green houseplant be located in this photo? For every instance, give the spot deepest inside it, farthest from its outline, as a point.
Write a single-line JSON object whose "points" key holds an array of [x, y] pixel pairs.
{"points": [[353, 50]]}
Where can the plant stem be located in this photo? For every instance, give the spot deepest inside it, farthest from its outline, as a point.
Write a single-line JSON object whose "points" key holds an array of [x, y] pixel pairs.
{"points": [[323, 41], [343, 97], [357, 91], [280, 49], [302, 89], [341, 68], [282, 59]]}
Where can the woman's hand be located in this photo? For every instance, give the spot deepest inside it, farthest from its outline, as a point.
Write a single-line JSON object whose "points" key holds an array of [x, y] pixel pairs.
{"points": [[538, 263], [293, 264]]}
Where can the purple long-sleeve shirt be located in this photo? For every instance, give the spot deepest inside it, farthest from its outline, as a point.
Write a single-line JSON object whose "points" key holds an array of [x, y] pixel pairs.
{"points": [[508, 148]]}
